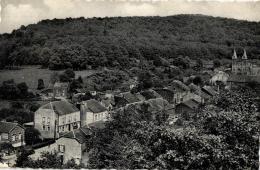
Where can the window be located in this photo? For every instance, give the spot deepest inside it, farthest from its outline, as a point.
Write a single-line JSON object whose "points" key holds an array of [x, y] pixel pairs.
{"points": [[5, 136], [48, 120], [75, 125], [75, 118], [62, 128], [13, 138], [43, 120], [48, 128], [43, 127], [20, 136], [70, 119], [95, 117], [63, 92], [63, 120], [61, 148]]}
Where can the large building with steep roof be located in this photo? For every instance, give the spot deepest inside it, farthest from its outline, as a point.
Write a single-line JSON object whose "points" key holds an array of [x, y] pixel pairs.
{"points": [[243, 66], [243, 70], [56, 117]]}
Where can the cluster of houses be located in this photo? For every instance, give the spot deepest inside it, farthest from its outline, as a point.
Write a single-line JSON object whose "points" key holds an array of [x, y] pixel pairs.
{"points": [[70, 125], [69, 122]]}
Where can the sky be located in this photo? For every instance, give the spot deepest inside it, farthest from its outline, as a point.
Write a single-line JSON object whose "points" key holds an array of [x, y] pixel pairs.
{"points": [[15, 13]]}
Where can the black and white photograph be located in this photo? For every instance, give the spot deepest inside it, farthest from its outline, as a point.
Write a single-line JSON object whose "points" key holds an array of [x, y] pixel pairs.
{"points": [[130, 84]]}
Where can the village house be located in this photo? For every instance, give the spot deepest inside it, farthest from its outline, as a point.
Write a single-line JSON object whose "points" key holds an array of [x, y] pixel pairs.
{"points": [[209, 65], [139, 96], [153, 106], [125, 98], [71, 145], [180, 90], [203, 96], [187, 107], [12, 133], [46, 93], [56, 117], [193, 96], [60, 90], [108, 103], [150, 94], [209, 90], [166, 94], [92, 111], [220, 76]]}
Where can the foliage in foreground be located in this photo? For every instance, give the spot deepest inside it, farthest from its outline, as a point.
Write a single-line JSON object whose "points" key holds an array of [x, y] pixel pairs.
{"points": [[213, 138], [47, 160]]}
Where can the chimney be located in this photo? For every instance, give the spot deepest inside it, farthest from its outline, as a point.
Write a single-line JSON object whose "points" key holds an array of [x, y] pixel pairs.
{"points": [[83, 113]]}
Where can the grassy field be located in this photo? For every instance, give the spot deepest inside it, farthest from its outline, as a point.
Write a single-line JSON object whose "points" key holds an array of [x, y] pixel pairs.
{"points": [[31, 74]]}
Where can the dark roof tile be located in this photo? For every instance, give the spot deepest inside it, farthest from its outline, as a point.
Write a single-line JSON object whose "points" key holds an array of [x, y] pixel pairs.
{"points": [[94, 106], [60, 107], [5, 127]]}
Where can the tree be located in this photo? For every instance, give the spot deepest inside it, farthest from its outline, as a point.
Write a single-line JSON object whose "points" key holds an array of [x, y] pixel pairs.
{"points": [[145, 80], [80, 80], [197, 80], [54, 77], [64, 77], [32, 136], [215, 137], [181, 61], [70, 73], [40, 84], [6, 147], [17, 105], [9, 90], [216, 63], [23, 88], [199, 64], [23, 160], [47, 160]]}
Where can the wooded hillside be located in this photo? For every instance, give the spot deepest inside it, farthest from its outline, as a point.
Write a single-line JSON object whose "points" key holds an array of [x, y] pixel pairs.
{"points": [[123, 41]]}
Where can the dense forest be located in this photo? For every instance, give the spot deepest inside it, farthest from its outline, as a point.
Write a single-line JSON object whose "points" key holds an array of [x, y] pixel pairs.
{"points": [[124, 42]]}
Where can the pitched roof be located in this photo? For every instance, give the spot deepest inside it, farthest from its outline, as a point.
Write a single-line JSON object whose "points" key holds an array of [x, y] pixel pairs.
{"points": [[197, 90], [59, 84], [60, 107], [166, 94], [150, 94], [177, 85], [46, 90], [129, 97], [193, 104], [94, 106], [139, 96], [209, 90], [81, 135], [6, 127], [98, 125], [194, 87], [159, 104], [153, 106]]}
